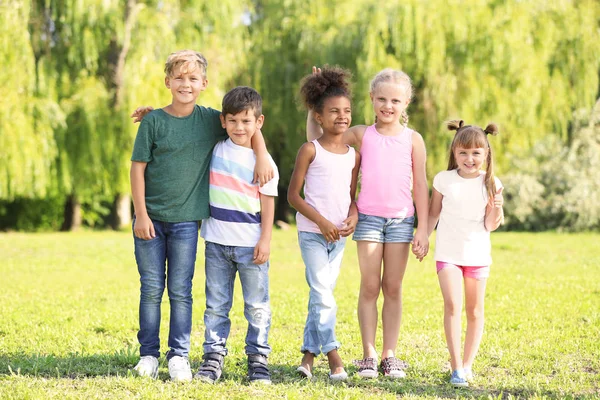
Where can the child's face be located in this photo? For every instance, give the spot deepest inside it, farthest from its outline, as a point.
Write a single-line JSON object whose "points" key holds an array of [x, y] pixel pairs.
{"points": [[242, 126], [185, 87], [470, 161], [336, 115], [389, 100]]}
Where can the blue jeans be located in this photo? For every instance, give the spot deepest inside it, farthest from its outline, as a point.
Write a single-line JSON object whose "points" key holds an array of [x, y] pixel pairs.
{"points": [[322, 261], [372, 228], [175, 244], [221, 265]]}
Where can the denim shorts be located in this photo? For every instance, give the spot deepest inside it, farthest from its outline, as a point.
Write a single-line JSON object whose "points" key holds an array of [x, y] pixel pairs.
{"points": [[384, 230]]}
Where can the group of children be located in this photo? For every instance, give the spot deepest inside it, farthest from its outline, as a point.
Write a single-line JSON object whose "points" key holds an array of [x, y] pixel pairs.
{"points": [[192, 163]]}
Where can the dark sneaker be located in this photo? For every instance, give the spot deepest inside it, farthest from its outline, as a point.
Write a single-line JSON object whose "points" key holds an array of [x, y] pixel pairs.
{"points": [[258, 369], [211, 369], [393, 367], [367, 368]]}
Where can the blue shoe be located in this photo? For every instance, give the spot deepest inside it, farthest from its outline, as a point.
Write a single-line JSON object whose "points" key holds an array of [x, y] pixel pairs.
{"points": [[458, 378]]}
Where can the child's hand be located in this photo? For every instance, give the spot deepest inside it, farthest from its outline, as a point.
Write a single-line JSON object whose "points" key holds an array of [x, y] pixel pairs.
{"points": [[263, 170], [330, 231], [498, 198], [143, 228], [316, 71], [262, 251], [140, 113], [420, 245], [349, 225]]}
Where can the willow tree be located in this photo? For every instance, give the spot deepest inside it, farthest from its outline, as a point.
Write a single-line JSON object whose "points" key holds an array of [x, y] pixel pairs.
{"points": [[27, 118]]}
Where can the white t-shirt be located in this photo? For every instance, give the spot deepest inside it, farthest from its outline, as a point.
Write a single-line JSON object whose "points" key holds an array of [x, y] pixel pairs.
{"points": [[461, 235], [234, 200]]}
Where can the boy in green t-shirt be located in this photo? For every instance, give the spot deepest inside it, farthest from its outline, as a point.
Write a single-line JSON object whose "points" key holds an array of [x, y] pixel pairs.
{"points": [[169, 184]]}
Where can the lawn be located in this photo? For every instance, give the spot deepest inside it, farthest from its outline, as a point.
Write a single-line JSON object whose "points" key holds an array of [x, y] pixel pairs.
{"points": [[68, 323]]}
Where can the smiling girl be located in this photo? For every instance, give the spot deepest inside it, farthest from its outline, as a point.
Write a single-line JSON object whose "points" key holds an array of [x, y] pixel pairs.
{"points": [[467, 202]]}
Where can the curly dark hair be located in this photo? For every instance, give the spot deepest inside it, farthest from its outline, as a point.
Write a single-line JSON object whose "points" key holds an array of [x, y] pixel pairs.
{"points": [[331, 82]]}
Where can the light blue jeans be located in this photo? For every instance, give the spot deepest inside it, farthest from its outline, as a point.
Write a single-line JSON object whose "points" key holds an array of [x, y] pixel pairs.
{"points": [[221, 265], [166, 260], [322, 261]]}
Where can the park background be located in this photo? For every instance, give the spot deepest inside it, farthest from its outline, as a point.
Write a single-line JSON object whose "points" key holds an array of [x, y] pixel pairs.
{"points": [[73, 71]]}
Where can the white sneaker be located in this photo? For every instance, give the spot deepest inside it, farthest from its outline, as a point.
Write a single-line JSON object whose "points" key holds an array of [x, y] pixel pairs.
{"points": [[179, 369], [147, 366]]}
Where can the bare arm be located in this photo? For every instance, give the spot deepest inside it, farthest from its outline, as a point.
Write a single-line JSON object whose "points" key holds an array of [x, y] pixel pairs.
{"points": [[305, 156], [494, 214], [143, 227], [262, 250], [435, 208], [263, 170], [420, 194]]}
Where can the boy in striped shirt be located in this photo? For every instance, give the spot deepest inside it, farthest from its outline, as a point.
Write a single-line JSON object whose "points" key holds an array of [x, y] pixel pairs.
{"points": [[238, 236]]}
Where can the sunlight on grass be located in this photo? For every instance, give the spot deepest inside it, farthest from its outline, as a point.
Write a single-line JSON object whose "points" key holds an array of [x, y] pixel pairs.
{"points": [[68, 312]]}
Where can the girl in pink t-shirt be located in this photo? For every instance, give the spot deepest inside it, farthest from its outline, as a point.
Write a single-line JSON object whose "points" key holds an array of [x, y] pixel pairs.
{"points": [[392, 164], [327, 214], [467, 202]]}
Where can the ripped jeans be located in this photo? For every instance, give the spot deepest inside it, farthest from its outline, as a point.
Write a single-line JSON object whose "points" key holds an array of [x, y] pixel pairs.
{"points": [[221, 265]]}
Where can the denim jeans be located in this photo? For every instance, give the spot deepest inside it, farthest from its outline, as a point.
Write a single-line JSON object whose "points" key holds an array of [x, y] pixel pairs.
{"points": [[168, 258], [221, 265], [322, 261]]}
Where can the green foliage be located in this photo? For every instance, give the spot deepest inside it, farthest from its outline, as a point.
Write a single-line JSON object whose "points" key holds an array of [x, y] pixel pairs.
{"points": [[69, 323], [32, 215], [558, 187]]}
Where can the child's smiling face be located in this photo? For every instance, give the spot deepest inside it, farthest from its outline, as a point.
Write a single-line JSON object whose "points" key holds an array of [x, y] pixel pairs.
{"points": [[470, 161], [389, 101], [186, 84]]}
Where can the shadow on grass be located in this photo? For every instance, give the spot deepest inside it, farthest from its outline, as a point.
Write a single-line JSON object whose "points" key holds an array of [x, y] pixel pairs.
{"points": [[120, 364]]}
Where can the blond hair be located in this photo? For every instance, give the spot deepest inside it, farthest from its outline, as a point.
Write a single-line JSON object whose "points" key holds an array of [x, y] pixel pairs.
{"points": [[471, 137], [390, 75], [187, 61]]}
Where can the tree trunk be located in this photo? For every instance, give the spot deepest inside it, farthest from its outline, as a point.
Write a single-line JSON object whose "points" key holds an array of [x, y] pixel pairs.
{"points": [[283, 211], [121, 211], [72, 220]]}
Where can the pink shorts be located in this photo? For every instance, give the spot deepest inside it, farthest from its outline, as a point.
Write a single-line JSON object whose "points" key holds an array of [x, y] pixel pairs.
{"points": [[467, 271]]}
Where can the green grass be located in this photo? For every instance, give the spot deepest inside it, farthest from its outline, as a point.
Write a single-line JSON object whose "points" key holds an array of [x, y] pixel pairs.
{"points": [[68, 323]]}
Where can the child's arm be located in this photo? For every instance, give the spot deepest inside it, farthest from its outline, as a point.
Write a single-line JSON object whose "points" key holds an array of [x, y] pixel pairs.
{"points": [[421, 196], [262, 250], [435, 208], [352, 220], [305, 156], [494, 214], [143, 227], [263, 170]]}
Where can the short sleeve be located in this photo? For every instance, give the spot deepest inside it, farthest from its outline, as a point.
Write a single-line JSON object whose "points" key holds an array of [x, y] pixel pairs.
{"points": [[270, 188], [438, 183], [498, 183], [144, 140], [216, 128]]}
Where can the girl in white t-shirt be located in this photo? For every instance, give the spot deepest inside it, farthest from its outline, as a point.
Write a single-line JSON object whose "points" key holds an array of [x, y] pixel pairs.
{"points": [[467, 202]]}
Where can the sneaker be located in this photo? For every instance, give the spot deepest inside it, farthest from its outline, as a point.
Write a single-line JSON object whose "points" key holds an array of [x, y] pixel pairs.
{"points": [[393, 367], [367, 368], [258, 369], [179, 369], [468, 374], [211, 369], [147, 366], [458, 378], [339, 377]]}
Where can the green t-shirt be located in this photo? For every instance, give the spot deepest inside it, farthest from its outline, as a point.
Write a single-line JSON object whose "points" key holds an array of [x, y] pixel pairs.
{"points": [[178, 153]]}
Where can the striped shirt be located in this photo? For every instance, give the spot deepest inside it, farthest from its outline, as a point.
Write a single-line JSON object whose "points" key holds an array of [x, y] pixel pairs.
{"points": [[234, 200]]}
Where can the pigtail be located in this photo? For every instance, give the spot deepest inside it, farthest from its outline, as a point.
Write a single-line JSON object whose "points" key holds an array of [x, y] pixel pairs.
{"points": [[491, 129], [490, 182], [403, 116], [455, 124]]}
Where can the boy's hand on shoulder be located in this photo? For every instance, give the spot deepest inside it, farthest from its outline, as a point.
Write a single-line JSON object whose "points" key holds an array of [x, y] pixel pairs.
{"points": [[349, 225], [144, 228], [263, 170], [262, 251], [140, 113]]}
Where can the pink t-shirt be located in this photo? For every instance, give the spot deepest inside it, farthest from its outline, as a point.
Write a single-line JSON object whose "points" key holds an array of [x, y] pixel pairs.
{"points": [[386, 174], [327, 187]]}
